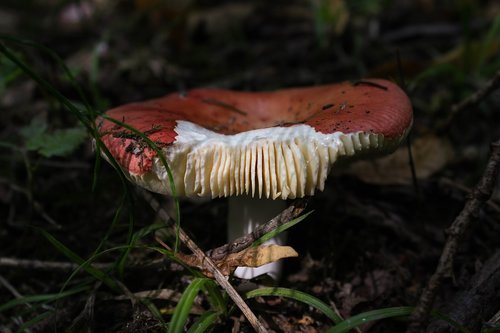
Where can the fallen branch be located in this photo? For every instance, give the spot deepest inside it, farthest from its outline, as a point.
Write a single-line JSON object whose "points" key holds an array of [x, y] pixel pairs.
{"points": [[478, 96], [472, 100], [41, 265], [65, 266], [475, 303], [207, 262], [481, 193], [493, 323], [241, 243], [249, 257]]}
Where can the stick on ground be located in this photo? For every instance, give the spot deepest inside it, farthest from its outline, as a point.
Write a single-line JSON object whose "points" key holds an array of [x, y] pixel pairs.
{"points": [[243, 242], [209, 264], [477, 301], [481, 193], [472, 100]]}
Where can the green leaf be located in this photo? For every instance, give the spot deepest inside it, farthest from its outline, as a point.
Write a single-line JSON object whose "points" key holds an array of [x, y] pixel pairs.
{"points": [[216, 298], [8, 72], [163, 160], [204, 322], [453, 323], [154, 311], [280, 229], [60, 142], [363, 318], [85, 265], [185, 304], [44, 315], [44, 83], [487, 45], [45, 298], [33, 132], [298, 296], [134, 238]]}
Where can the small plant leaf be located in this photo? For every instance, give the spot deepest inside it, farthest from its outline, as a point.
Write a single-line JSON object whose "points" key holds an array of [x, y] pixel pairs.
{"points": [[45, 298], [217, 299], [33, 132], [42, 316], [185, 304], [85, 265], [298, 296], [280, 229], [60, 142], [204, 322], [8, 72], [453, 323], [363, 318]]}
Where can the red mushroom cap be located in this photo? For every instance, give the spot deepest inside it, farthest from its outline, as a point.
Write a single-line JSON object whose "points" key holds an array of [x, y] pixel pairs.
{"points": [[368, 115]]}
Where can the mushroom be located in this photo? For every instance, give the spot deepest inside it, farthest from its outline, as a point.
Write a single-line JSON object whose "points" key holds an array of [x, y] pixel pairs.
{"points": [[259, 148]]}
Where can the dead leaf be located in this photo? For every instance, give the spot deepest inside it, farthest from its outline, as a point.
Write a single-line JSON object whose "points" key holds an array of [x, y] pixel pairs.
{"points": [[220, 19], [251, 257], [258, 256], [430, 154], [305, 320]]}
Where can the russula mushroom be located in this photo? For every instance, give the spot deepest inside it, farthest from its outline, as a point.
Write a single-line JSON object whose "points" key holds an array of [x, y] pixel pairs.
{"points": [[262, 146]]}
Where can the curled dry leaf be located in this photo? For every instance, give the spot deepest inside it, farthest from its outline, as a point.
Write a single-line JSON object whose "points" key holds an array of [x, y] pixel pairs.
{"points": [[251, 257], [258, 256]]}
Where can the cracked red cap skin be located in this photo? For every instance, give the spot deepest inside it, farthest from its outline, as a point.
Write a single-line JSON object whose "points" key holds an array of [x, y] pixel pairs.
{"points": [[371, 105]]}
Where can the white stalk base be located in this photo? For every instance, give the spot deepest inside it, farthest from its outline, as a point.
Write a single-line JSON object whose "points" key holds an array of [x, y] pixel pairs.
{"points": [[244, 215]]}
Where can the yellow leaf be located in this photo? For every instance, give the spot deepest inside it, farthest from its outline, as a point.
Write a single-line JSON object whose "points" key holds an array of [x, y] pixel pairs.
{"points": [[258, 256]]}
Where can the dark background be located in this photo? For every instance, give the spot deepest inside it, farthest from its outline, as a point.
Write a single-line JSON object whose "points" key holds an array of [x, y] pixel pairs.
{"points": [[374, 238]]}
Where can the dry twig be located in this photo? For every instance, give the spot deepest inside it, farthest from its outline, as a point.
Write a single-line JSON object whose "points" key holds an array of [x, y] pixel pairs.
{"points": [[208, 263], [493, 322], [44, 265], [241, 243], [477, 301], [481, 193], [473, 99], [41, 265]]}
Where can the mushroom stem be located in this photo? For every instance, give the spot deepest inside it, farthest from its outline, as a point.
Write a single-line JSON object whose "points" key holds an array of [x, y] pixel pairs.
{"points": [[244, 215]]}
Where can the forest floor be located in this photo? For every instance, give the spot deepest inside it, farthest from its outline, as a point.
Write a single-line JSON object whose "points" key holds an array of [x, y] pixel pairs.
{"points": [[374, 237]]}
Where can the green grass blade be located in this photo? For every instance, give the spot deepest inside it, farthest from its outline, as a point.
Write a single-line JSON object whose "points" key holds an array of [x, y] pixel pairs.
{"points": [[298, 296], [205, 321], [116, 248], [488, 41], [40, 298], [34, 320], [84, 118], [185, 304], [134, 238], [363, 318], [163, 160], [216, 297], [453, 323], [154, 311], [87, 118], [98, 274], [58, 60], [280, 229], [46, 85], [172, 256], [120, 263]]}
